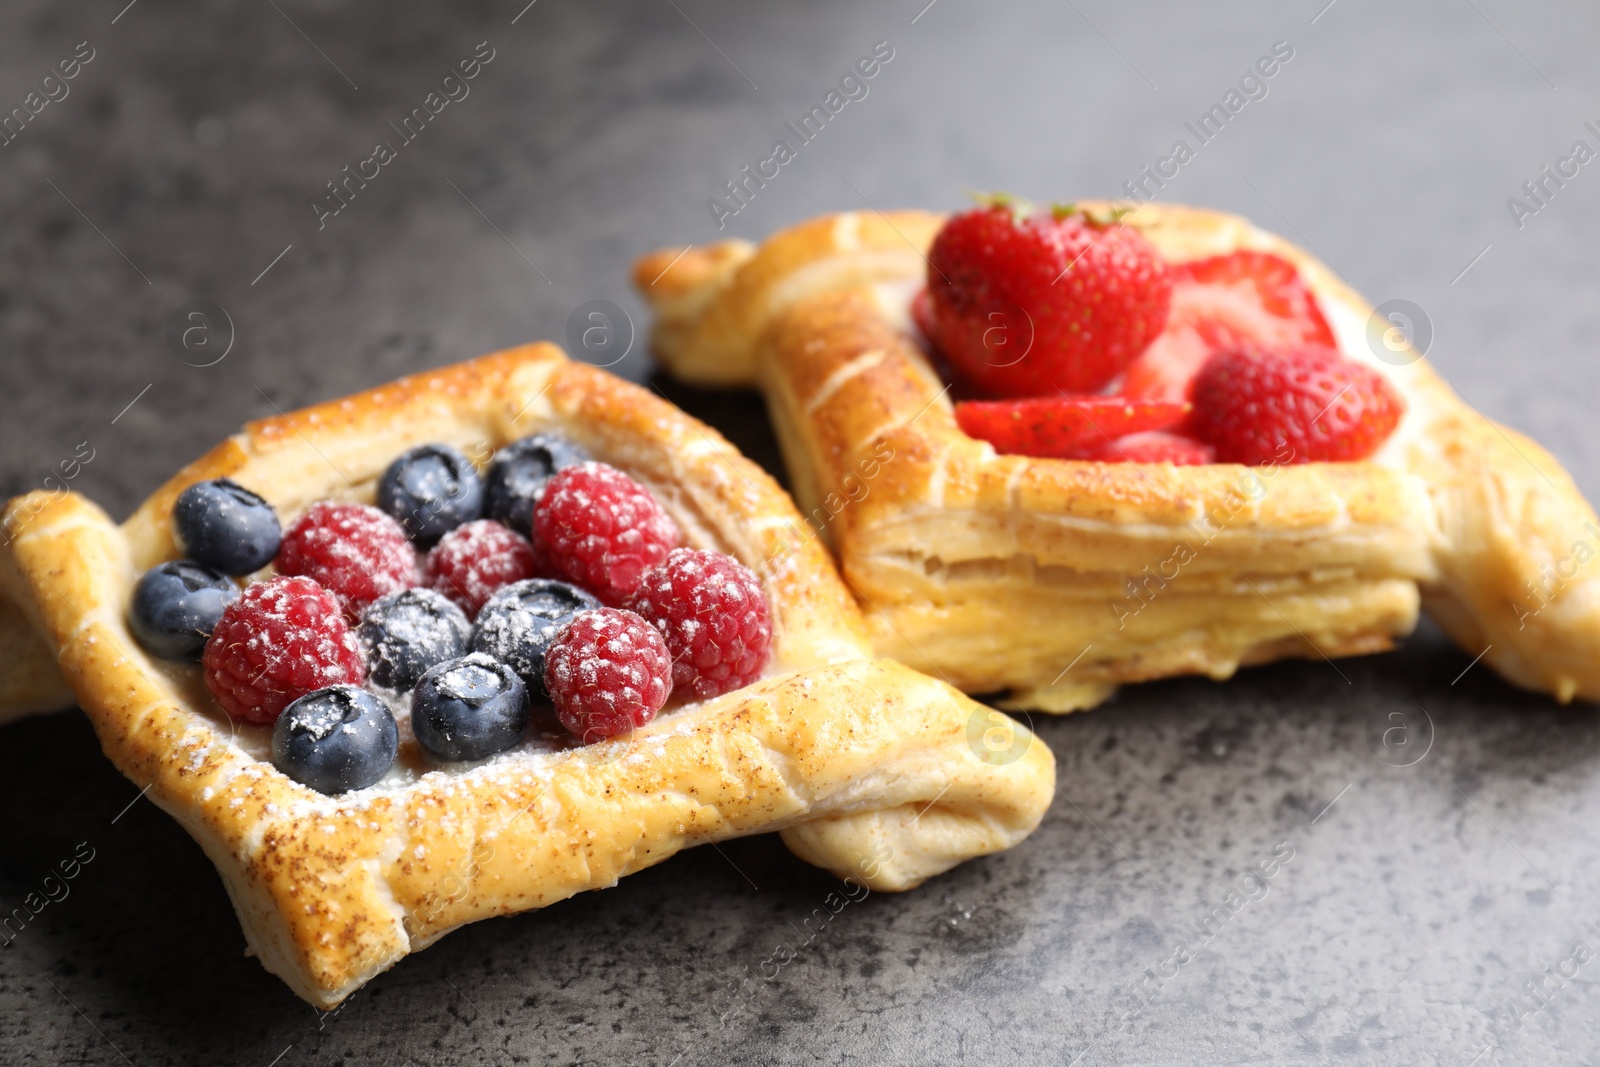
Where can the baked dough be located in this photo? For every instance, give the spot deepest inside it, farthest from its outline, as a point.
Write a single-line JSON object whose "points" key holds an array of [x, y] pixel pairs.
{"points": [[870, 770], [1057, 580], [30, 682]]}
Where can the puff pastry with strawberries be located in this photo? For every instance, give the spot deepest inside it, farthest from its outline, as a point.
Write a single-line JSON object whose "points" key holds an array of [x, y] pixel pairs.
{"points": [[1057, 451], [483, 638]]}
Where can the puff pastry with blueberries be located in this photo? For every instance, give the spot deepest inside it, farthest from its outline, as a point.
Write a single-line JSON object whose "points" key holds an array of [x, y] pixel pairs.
{"points": [[407, 829]]}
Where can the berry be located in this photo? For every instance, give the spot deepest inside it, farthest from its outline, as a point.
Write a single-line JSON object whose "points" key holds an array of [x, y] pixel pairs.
{"points": [[175, 607], [225, 526], [602, 530], [1068, 427], [713, 614], [430, 490], [355, 552], [1298, 405], [469, 708], [922, 314], [1155, 446], [1243, 297], [472, 561], [519, 472], [1024, 305], [608, 672], [336, 739], [406, 633], [518, 623], [283, 638]]}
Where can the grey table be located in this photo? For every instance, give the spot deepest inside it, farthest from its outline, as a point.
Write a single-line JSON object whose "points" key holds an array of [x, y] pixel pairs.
{"points": [[1423, 901]]}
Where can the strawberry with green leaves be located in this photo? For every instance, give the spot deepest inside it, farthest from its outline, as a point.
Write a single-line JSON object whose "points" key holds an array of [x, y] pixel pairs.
{"points": [[1026, 303]]}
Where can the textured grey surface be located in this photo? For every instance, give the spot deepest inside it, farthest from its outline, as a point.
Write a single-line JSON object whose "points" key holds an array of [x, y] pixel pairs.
{"points": [[1414, 909]]}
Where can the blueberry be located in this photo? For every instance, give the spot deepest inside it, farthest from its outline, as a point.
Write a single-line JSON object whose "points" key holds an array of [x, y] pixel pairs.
{"points": [[408, 632], [519, 472], [430, 490], [175, 607], [336, 739], [520, 621], [469, 708], [224, 525]]}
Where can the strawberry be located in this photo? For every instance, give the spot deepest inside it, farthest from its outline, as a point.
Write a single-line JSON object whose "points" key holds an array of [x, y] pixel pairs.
{"points": [[1029, 304], [922, 313], [1155, 446], [1065, 427], [1240, 298], [1302, 404]]}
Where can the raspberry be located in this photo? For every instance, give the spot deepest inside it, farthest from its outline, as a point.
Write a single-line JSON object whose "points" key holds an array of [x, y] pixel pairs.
{"points": [[608, 672], [601, 530], [474, 560], [712, 612], [283, 638], [355, 552], [1292, 405]]}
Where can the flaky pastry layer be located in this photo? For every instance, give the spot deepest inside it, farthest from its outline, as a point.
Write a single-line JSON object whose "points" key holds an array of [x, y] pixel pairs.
{"points": [[870, 769], [1058, 579]]}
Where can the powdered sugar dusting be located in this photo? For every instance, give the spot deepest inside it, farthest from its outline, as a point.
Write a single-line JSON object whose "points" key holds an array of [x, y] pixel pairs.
{"points": [[600, 528], [608, 672], [408, 632], [714, 616], [281, 639], [476, 559], [355, 551], [519, 622]]}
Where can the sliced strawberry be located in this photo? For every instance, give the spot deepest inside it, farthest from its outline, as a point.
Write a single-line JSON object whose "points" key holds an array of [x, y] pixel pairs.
{"points": [[922, 314], [1065, 427], [1165, 369], [1243, 297], [1155, 446], [1269, 297]]}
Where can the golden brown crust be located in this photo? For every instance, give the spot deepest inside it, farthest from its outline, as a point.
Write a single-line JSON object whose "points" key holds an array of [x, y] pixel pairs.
{"points": [[714, 302], [31, 682], [998, 572], [332, 890]]}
